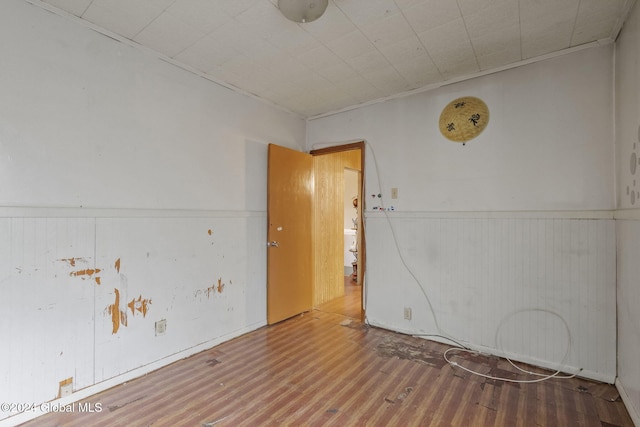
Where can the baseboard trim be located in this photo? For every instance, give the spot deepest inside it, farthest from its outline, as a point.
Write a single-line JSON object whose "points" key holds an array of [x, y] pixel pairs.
{"points": [[631, 409]]}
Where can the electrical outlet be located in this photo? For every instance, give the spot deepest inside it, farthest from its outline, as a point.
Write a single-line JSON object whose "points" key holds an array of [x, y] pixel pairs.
{"points": [[407, 313], [161, 327], [394, 193]]}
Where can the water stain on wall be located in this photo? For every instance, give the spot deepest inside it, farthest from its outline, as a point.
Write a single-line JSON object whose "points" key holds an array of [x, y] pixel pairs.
{"points": [[116, 265]]}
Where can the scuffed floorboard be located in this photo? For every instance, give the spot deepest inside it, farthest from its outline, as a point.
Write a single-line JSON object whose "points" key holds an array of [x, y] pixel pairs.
{"points": [[318, 370]]}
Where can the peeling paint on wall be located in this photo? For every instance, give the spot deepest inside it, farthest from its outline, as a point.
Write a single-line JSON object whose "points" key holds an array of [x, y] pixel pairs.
{"points": [[88, 272], [84, 274], [140, 305], [217, 287], [117, 316], [210, 231], [72, 261]]}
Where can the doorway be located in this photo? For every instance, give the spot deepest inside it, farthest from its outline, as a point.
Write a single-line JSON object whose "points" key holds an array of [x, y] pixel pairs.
{"points": [[338, 223], [305, 236]]}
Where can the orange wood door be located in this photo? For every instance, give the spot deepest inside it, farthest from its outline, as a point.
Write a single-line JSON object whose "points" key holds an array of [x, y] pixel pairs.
{"points": [[289, 233]]}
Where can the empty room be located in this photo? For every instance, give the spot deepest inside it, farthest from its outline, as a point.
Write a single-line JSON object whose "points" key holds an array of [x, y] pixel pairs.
{"points": [[308, 212]]}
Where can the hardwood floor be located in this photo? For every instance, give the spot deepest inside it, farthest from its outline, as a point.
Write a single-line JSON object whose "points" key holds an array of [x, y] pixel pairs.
{"points": [[323, 368], [349, 305]]}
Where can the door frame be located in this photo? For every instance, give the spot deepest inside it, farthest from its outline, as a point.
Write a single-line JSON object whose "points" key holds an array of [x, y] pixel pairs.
{"points": [[362, 253]]}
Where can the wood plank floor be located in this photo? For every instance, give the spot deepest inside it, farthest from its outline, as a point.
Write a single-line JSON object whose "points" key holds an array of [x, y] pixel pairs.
{"points": [[323, 368]]}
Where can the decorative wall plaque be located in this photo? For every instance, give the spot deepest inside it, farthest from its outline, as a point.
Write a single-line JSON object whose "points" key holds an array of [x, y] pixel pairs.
{"points": [[463, 119]]}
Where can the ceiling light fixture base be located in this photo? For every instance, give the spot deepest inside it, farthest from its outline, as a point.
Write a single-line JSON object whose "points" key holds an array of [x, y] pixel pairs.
{"points": [[303, 11]]}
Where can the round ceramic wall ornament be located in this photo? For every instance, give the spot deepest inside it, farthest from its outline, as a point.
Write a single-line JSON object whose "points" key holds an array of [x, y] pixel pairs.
{"points": [[463, 119]]}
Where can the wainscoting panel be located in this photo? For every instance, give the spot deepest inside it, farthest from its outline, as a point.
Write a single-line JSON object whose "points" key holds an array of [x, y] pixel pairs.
{"points": [[82, 295], [540, 290]]}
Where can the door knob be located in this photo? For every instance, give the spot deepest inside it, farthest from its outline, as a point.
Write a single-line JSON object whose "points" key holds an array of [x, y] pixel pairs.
{"points": [[273, 244]]}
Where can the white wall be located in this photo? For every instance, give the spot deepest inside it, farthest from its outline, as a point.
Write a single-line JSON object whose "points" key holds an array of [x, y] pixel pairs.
{"points": [[628, 223], [507, 243], [114, 160]]}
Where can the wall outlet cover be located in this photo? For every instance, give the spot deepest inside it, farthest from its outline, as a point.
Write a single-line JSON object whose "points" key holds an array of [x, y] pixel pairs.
{"points": [[161, 327]]}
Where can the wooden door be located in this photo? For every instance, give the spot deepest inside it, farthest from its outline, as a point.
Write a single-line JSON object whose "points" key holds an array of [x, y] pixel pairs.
{"points": [[289, 233]]}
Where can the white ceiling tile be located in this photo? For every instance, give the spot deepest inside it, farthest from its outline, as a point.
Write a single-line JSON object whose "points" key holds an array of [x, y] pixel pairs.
{"points": [[294, 40], [403, 50], [543, 44], [457, 66], [365, 11], [241, 66], [548, 36], [406, 4], [337, 72], [204, 15], [609, 8], [262, 50], [593, 30], [389, 30], [596, 20], [311, 82], [235, 7], [499, 58], [546, 25], [234, 79], [319, 57], [429, 14], [290, 70], [359, 87], [450, 49], [236, 34], [548, 9], [350, 45], [448, 40], [281, 93], [74, 7], [125, 17], [419, 71], [498, 39], [168, 35], [388, 80], [330, 26], [207, 53], [493, 17], [315, 67], [264, 20], [470, 7], [368, 62]]}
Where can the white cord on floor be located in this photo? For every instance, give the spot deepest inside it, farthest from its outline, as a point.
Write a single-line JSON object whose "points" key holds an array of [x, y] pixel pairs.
{"points": [[543, 377]]}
